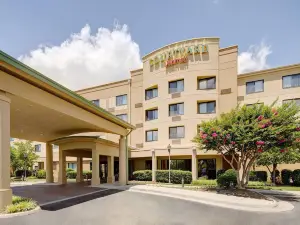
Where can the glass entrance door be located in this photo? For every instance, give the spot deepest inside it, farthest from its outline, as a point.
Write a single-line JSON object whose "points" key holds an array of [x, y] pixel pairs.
{"points": [[207, 167]]}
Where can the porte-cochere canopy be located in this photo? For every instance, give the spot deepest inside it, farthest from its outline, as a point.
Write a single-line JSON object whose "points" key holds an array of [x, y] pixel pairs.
{"points": [[34, 107]]}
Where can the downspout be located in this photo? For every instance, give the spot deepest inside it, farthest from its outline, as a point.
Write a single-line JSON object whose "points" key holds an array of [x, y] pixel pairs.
{"points": [[127, 160]]}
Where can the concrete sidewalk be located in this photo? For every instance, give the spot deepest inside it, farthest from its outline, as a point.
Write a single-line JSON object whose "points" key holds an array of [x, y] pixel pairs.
{"points": [[225, 201]]}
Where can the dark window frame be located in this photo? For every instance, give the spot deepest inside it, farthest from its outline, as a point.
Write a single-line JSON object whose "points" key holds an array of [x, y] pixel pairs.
{"points": [[254, 81], [176, 132], [152, 135], [298, 74], [118, 96], [176, 104], [177, 87], [208, 78], [151, 89], [198, 107], [148, 111]]}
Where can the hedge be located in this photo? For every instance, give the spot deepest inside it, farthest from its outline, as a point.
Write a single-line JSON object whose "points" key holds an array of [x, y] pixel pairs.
{"points": [[71, 174], [163, 176], [19, 173], [285, 176], [261, 175], [221, 171], [295, 172], [41, 174], [87, 174], [297, 179]]}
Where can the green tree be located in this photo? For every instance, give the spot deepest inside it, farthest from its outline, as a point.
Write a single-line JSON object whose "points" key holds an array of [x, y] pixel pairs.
{"points": [[273, 157], [14, 160], [26, 156], [246, 132]]}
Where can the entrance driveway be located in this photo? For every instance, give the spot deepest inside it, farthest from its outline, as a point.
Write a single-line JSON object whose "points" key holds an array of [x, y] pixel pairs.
{"points": [[46, 193]]}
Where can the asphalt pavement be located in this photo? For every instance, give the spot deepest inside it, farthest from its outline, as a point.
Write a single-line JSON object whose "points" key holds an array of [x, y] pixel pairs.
{"points": [[130, 208]]}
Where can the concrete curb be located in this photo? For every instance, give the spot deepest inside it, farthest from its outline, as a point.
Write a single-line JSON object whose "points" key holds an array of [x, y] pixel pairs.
{"points": [[10, 215], [273, 207], [70, 198]]}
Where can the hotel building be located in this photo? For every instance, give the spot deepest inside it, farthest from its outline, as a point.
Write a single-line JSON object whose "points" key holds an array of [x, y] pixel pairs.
{"points": [[179, 86]]}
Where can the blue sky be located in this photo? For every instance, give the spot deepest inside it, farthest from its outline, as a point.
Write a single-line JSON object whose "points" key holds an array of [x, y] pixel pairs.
{"points": [[26, 25]]}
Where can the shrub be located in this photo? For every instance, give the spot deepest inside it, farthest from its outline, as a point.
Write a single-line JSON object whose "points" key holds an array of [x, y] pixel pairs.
{"points": [[19, 173], [142, 175], [163, 176], [219, 172], [285, 176], [87, 175], [203, 178], [297, 180], [205, 183], [261, 175], [69, 170], [41, 174], [176, 176], [252, 176], [255, 184], [71, 174], [20, 204], [295, 172], [227, 178]]}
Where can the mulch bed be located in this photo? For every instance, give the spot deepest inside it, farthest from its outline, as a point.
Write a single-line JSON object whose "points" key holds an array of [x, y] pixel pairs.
{"points": [[238, 192]]}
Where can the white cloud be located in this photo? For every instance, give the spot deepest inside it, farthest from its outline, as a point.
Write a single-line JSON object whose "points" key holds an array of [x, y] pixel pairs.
{"points": [[85, 60], [255, 58]]}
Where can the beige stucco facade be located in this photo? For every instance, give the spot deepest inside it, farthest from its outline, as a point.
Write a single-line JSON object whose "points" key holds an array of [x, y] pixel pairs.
{"points": [[208, 62], [191, 61]]}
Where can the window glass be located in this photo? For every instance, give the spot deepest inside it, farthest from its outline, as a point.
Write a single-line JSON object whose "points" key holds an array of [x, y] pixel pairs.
{"points": [[151, 135], [96, 102], [176, 109], [297, 101], [207, 83], [121, 100], [291, 81], [176, 86], [37, 148], [176, 132], [151, 114], [254, 86], [122, 116], [152, 93], [207, 107]]}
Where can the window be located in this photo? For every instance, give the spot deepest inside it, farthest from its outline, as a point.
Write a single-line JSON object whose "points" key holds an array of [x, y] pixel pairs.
{"points": [[176, 86], [151, 135], [254, 86], [122, 116], [72, 166], [151, 114], [176, 132], [96, 102], [255, 104], [38, 148], [12, 139], [151, 93], [291, 81], [296, 100], [121, 100], [176, 109], [206, 107], [207, 83]]}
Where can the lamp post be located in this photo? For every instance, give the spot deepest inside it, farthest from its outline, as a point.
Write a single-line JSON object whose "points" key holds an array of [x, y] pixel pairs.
{"points": [[169, 150], [25, 159]]}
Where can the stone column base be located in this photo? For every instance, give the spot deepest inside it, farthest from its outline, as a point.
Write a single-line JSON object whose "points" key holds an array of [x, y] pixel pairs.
{"points": [[95, 181], [79, 179], [5, 198], [110, 180]]}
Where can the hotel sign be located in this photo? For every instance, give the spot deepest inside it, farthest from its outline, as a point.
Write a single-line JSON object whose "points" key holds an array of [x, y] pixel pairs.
{"points": [[178, 55]]}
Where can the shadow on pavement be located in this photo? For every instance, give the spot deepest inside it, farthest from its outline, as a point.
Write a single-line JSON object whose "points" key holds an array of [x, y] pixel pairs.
{"points": [[77, 200], [284, 196]]}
